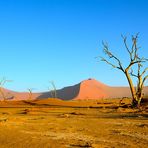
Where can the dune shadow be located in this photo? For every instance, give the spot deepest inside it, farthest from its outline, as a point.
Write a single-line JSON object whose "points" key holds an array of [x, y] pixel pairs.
{"points": [[66, 93]]}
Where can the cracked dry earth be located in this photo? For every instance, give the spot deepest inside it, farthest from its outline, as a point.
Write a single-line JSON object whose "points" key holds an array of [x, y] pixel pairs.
{"points": [[67, 127]]}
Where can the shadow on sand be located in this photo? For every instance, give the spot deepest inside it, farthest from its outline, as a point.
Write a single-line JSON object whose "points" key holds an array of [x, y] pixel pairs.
{"points": [[66, 93]]}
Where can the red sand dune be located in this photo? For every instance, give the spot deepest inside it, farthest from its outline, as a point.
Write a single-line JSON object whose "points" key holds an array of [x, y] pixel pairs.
{"points": [[87, 89], [92, 89]]}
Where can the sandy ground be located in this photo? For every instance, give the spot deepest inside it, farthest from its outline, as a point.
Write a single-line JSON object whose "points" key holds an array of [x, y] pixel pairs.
{"points": [[72, 124]]}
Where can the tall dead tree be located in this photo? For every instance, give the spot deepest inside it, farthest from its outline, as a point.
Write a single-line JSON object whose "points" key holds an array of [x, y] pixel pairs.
{"points": [[134, 60]]}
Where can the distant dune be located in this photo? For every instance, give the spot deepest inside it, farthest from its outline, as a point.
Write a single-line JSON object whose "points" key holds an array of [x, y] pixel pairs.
{"points": [[13, 95], [86, 90]]}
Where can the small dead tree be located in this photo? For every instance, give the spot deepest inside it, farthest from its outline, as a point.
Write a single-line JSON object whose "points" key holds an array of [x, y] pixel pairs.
{"points": [[134, 60], [30, 93], [3, 81], [53, 92]]}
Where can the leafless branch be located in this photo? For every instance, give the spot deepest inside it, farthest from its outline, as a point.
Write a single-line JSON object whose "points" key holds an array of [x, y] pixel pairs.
{"points": [[145, 78], [103, 59], [111, 56], [132, 74], [126, 46], [145, 70]]}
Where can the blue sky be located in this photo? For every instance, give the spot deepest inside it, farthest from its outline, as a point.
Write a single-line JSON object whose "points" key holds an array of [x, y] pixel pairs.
{"points": [[43, 40]]}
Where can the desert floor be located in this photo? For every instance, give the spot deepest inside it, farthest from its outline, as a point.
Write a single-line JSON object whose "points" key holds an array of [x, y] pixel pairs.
{"points": [[72, 124]]}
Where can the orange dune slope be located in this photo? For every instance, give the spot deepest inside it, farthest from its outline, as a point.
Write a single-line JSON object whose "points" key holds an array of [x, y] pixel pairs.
{"points": [[92, 89]]}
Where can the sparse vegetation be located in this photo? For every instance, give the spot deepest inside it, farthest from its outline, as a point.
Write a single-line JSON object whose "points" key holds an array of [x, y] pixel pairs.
{"points": [[134, 60]]}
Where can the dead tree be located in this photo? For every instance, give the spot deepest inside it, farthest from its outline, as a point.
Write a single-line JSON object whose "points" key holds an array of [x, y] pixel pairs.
{"points": [[53, 92], [134, 59], [2, 83], [30, 93]]}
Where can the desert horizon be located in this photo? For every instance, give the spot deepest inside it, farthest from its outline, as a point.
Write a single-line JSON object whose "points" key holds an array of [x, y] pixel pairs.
{"points": [[85, 90], [73, 74]]}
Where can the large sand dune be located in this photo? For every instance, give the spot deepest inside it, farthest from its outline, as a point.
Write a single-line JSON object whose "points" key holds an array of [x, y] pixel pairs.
{"points": [[91, 89]]}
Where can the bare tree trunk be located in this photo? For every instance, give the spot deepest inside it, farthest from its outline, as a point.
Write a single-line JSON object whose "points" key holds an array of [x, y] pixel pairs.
{"points": [[132, 88], [137, 94]]}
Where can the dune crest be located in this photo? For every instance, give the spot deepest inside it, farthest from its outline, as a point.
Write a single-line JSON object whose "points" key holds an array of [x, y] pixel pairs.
{"points": [[91, 89]]}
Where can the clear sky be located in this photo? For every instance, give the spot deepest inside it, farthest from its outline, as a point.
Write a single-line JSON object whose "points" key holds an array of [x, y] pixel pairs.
{"points": [[43, 40]]}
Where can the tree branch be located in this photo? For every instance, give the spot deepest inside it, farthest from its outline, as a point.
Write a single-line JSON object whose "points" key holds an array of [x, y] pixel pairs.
{"points": [[103, 59], [126, 46], [145, 70], [111, 56], [144, 79], [135, 62], [135, 40], [132, 74]]}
